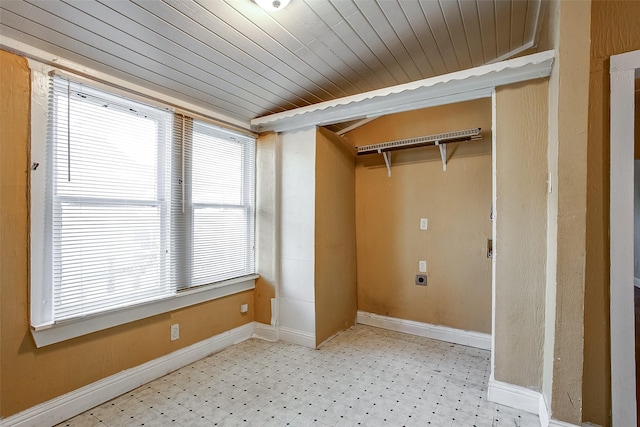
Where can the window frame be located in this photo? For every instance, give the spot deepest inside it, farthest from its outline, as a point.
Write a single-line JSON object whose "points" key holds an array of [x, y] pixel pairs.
{"points": [[193, 207], [41, 286]]}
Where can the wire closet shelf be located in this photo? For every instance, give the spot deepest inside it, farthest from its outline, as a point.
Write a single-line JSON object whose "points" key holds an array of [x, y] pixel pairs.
{"points": [[440, 139]]}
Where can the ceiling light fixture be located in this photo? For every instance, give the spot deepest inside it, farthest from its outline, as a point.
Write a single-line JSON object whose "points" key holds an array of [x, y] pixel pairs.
{"points": [[272, 5]]}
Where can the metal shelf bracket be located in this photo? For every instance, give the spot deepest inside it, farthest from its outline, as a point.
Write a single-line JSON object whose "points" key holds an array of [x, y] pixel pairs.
{"points": [[443, 154], [387, 160]]}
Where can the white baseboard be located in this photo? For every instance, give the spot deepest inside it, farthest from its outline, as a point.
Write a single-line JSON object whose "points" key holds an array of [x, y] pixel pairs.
{"points": [[442, 333], [295, 336], [264, 332], [73, 403], [516, 397], [543, 411], [524, 399], [557, 423]]}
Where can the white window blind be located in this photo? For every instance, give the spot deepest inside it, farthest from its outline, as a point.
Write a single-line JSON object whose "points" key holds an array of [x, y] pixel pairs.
{"points": [[212, 204], [139, 204], [108, 200]]}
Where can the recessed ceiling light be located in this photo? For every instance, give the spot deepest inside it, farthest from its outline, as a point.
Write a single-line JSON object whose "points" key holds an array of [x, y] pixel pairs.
{"points": [[272, 5]]}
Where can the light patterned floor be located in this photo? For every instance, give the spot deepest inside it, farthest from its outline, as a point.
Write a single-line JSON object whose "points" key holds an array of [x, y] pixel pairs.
{"points": [[363, 377]]}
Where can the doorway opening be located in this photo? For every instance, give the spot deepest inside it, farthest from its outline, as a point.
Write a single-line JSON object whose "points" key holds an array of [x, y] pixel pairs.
{"points": [[625, 69]]}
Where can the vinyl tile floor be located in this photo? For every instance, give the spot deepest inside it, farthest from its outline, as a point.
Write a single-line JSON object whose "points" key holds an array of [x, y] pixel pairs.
{"points": [[363, 377]]}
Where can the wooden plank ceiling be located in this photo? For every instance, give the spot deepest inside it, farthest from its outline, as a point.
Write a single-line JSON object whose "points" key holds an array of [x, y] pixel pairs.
{"points": [[232, 57]]}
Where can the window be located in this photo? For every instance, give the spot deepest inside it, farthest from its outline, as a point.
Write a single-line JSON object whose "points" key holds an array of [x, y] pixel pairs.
{"points": [[140, 205], [212, 204]]}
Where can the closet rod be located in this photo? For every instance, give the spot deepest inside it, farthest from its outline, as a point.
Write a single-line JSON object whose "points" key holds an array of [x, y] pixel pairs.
{"points": [[441, 138]]}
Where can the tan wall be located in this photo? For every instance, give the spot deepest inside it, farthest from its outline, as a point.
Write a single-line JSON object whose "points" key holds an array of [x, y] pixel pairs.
{"points": [[29, 375], [615, 28], [15, 87], [457, 204], [335, 236], [566, 31], [266, 226], [521, 176]]}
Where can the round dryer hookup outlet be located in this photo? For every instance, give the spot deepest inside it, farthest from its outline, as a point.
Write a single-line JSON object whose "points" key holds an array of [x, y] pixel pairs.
{"points": [[421, 279]]}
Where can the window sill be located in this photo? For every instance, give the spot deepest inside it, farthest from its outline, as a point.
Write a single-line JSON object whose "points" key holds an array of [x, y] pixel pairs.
{"points": [[58, 332]]}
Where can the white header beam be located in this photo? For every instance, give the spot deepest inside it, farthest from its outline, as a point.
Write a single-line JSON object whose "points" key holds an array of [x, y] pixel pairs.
{"points": [[449, 88]]}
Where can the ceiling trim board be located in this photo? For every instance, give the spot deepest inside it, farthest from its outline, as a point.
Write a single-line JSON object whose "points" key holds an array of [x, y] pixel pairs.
{"points": [[446, 89], [512, 53], [355, 126]]}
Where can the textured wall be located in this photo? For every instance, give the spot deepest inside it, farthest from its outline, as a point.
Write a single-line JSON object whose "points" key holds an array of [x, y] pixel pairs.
{"points": [[30, 375], [335, 236], [266, 225], [457, 204], [572, 70], [521, 175]]}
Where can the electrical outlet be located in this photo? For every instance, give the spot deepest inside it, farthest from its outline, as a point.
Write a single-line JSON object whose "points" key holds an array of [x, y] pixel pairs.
{"points": [[424, 222], [422, 266], [421, 279], [244, 308], [175, 332]]}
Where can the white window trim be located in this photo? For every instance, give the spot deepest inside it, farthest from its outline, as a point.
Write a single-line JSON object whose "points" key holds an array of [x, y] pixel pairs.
{"points": [[65, 330], [624, 70]]}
